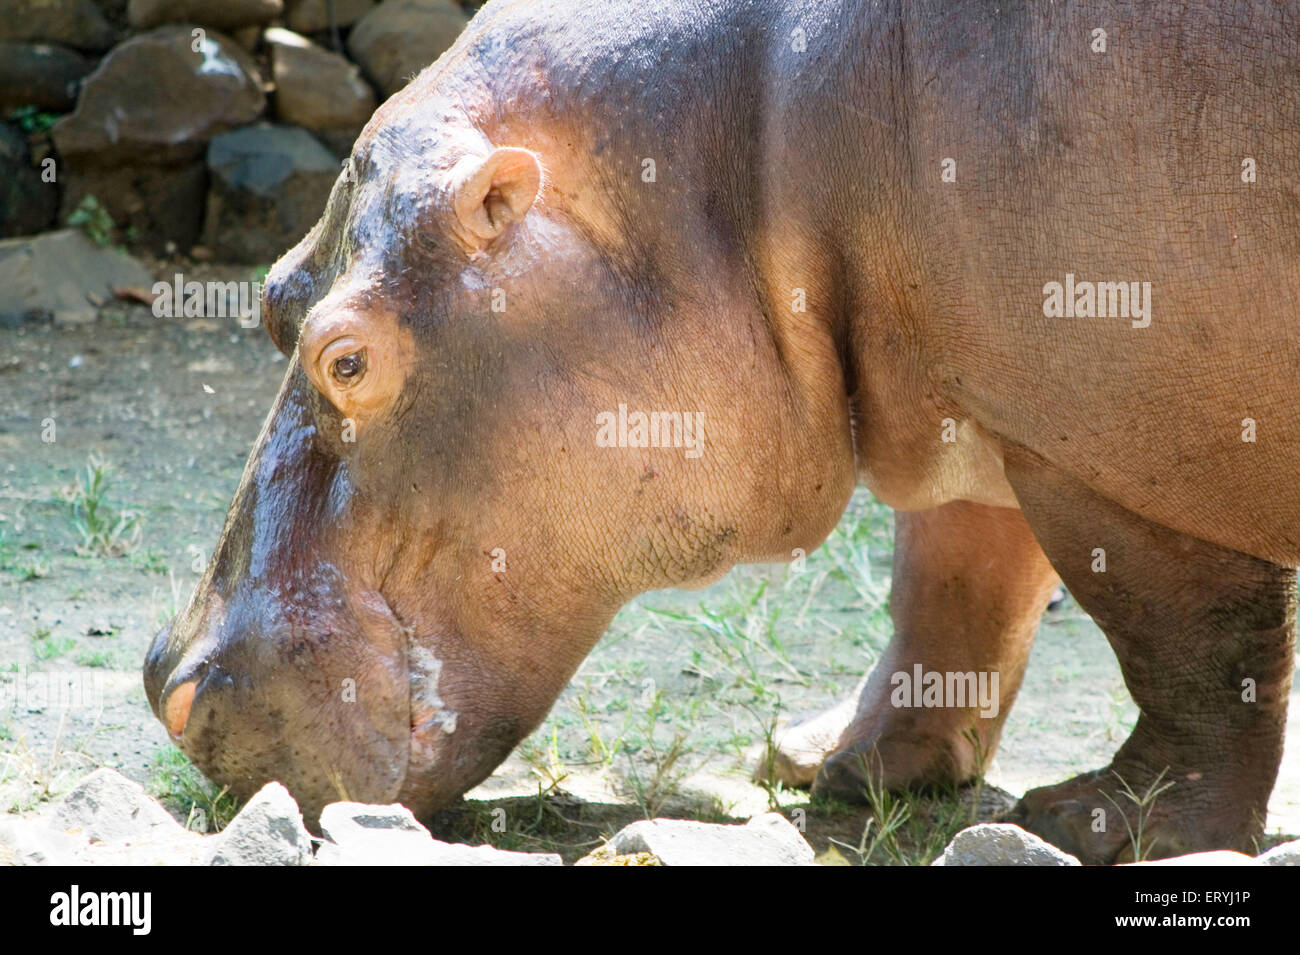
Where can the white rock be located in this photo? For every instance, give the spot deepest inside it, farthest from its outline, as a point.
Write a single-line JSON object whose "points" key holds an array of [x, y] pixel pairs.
{"points": [[1001, 844], [267, 831], [768, 839], [1288, 853], [108, 807], [33, 842], [359, 834]]}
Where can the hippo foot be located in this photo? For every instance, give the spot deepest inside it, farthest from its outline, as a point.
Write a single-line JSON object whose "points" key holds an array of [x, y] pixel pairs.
{"points": [[1103, 821], [892, 763], [797, 753]]}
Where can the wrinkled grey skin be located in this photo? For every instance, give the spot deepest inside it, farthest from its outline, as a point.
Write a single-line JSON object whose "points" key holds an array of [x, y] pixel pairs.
{"points": [[798, 151]]}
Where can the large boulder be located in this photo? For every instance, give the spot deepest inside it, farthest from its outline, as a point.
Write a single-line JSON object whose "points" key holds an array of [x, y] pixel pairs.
{"points": [[39, 74], [312, 16], [219, 14], [65, 275], [315, 88], [269, 186], [75, 23], [27, 205], [399, 38], [160, 96]]}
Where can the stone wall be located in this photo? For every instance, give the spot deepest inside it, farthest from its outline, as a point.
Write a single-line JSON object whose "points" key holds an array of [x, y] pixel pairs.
{"points": [[212, 128]]}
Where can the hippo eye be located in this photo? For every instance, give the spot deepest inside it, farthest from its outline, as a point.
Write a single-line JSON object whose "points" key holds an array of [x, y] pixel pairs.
{"points": [[348, 368], [356, 361]]}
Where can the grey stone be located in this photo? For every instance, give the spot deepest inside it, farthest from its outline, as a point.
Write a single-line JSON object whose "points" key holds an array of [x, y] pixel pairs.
{"points": [[267, 831], [42, 75], [64, 274], [27, 204], [269, 186], [1002, 844], [220, 14], [75, 23], [399, 38], [768, 839], [360, 834], [108, 807], [1288, 853], [156, 100], [315, 88]]}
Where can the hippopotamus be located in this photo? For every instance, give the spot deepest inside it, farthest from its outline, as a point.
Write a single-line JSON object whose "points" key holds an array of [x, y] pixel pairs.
{"points": [[1026, 271]]}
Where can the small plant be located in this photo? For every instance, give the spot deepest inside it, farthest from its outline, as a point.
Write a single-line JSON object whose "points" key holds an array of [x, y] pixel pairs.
{"points": [[32, 119], [92, 218], [767, 776], [545, 764], [150, 560], [888, 815], [104, 530], [1144, 803], [176, 781], [47, 647], [664, 778], [95, 658], [602, 753], [27, 568], [981, 753]]}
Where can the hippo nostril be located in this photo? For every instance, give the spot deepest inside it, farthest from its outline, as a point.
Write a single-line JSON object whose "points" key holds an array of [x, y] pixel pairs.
{"points": [[176, 710]]}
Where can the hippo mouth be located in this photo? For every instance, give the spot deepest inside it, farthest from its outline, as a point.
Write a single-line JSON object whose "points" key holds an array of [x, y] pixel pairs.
{"points": [[339, 720], [432, 725]]}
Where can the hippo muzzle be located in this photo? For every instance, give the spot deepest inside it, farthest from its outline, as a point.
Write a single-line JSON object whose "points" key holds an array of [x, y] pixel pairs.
{"points": [[287, 664]]}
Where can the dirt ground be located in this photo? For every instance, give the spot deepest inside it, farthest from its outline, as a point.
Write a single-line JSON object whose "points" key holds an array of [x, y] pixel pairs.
{"points": [[666, 716]]}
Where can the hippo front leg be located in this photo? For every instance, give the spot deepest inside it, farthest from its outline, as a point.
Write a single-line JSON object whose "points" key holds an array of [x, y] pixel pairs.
{"points": [[969, 586], [1205, 638]]}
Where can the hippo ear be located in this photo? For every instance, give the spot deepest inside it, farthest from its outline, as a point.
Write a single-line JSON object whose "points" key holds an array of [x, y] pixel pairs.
{"points": [[489, 193]]}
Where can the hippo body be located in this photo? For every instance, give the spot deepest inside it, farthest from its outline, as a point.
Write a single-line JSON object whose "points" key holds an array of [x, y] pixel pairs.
{"points": [[1031, 283]]}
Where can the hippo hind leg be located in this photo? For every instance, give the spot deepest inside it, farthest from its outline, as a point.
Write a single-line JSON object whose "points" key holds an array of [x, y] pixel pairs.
{"points": [[1205, 638], [969, 587]]}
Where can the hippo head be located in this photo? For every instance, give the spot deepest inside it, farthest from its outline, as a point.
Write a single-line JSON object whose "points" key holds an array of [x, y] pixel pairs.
{"points": [[524, 385]]}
